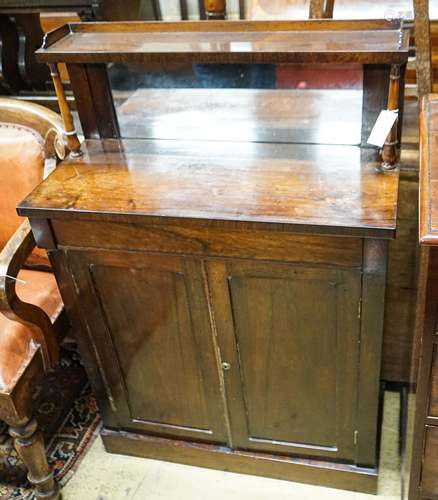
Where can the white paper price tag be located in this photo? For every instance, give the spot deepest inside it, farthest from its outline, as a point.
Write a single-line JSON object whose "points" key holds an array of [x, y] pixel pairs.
{"points": [[382, 127]]}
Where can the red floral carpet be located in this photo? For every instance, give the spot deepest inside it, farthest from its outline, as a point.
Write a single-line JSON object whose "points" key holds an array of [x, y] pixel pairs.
{"points": [[68, 417]]}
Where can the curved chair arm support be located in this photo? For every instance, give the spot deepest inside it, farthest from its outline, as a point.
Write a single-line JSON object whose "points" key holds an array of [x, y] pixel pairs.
{"points": [[12, 258], [44, 121]]}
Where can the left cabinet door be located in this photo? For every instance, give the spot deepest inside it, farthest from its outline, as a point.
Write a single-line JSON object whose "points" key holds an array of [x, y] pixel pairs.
{"points": [[150, 335]]}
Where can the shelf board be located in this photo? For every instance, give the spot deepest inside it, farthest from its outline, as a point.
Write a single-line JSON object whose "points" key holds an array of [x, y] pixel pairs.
{"points": [[371, 42]]}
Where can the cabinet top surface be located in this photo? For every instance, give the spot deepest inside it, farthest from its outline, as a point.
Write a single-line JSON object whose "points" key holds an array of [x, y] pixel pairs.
{"points": [[429, 171], [280, 187], [228, 42]]}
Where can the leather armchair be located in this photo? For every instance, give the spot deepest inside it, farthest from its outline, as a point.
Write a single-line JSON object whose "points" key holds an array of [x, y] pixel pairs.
{"points": [[31, 309]]}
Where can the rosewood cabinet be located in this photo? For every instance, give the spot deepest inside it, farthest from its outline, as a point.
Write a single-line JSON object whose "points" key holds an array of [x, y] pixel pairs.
{"points": [[229, 295]]}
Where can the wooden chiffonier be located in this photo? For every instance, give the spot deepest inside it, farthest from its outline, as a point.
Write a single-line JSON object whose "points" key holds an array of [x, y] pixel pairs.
{"points": [[424, 465], [229, 295]]}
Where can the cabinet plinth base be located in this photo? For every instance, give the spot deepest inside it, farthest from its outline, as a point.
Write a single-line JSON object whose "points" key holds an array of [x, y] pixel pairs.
{"points": [[329, 474]]}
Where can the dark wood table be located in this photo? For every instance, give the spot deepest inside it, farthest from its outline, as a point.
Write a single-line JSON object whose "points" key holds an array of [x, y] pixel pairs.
{"points": [[21, 35], [228, 295]]}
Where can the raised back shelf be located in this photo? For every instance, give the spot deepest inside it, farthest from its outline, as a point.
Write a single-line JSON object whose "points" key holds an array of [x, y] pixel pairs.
{"points": [[378, 42], [87, 49]]}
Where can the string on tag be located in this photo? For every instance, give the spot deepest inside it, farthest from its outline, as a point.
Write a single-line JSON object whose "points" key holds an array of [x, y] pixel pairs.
{"points": [[12, 278]]}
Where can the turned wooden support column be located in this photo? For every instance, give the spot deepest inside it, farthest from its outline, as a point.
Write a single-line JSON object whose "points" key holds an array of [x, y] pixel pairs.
{"points": [[29, 444], [215, 9], [390, 150], [321, 9], [69, 129]]}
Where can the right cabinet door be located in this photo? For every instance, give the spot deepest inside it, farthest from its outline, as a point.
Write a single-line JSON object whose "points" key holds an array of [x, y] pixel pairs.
{"points": [[289, 342]]}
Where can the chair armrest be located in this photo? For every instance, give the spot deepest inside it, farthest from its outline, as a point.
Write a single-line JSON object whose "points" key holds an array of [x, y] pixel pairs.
{"points": [[12, 258]]}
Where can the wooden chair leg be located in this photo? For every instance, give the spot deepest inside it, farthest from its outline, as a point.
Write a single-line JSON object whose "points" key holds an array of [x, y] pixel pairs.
{"points": [[29, 444]]}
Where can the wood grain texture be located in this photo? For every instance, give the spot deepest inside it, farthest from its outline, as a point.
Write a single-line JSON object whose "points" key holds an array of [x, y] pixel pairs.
{"points": [[238, 42], [103, 105], [429, 171], [279, 399], [423, 463], [45, 4], [423, 59], [422, 362], [375, 96], [216, 242], [229, 186], [29, 443], [433, 401], [372, 315], [83, 99], [276, 466], [172, 345], [401, 284]]}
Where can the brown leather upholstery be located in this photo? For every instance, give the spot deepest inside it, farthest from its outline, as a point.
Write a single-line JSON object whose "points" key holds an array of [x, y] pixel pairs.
{"points": [[16, 344], [21, 170]]}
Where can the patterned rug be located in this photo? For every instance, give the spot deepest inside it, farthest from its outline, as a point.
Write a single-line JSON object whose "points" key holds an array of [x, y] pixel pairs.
{"points": [[68, 417]]}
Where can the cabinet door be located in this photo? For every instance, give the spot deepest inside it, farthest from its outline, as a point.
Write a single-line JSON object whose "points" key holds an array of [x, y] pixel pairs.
{"points": [[289, 342], [429, 479], [149, 329]]}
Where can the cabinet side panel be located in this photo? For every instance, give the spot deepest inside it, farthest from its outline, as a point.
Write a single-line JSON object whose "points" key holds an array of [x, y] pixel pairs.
{"points": [[373, 305]]}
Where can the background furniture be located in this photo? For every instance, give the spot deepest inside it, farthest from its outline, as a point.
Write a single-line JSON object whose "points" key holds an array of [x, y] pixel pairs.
{"points": [[423, 480], [422, 455], [21, 34], [31, 319], [230, 293]]}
